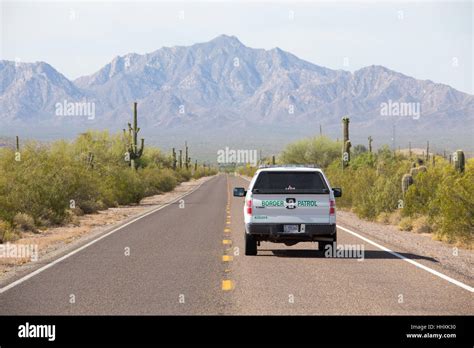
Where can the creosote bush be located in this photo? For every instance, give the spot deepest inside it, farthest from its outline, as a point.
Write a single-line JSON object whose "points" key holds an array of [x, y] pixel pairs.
{"points": [[440, 200], [53, 181]]}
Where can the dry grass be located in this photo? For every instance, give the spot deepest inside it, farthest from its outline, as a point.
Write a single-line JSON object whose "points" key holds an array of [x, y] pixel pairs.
{"points": [[422, 225], [406, 224]]}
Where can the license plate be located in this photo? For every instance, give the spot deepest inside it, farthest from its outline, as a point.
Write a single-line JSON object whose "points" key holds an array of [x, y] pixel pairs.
{"points": [[290, 228]]}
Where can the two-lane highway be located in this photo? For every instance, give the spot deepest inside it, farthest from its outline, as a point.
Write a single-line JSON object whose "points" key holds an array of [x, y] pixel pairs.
{"points": [[165, 263], [190, 260]]}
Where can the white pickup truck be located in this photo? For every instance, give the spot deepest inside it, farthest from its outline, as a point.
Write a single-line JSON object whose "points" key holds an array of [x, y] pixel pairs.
{"points": [[289, 205]]}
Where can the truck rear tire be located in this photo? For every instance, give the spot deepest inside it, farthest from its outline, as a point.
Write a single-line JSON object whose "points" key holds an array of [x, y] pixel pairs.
{"points": [[250, 245]]}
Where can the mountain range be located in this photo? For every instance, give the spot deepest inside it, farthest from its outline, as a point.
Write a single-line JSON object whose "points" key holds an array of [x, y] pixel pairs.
{"points": [[224, 91]]}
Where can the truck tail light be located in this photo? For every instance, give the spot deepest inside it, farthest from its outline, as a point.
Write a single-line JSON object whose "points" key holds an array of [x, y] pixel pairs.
{"points": [[332, 207], [249, 207]]}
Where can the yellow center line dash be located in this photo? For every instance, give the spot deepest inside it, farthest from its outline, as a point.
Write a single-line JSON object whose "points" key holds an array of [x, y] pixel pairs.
{"points": [[227, 285]]}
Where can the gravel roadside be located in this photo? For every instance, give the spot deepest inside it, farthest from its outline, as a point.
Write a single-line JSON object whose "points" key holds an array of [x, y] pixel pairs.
{"points": [[453, 258]]}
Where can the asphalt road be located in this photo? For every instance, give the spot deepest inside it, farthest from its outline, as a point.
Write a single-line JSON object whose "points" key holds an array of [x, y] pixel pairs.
{"points": [[190, 260]]}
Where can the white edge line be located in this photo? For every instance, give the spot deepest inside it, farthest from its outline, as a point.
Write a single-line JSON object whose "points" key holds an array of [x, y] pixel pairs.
{"points": [[417, 264], [51, 264]]}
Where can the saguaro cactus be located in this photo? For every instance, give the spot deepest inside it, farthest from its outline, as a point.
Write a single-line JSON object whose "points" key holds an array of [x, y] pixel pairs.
{"points": [[346, 150], [427, 152], [370, 143], [17, 151], [458, 160], [180, 159], [273, 159], [187, 159], [174, 159], [134, 152], [407, 180], [195, 165]]}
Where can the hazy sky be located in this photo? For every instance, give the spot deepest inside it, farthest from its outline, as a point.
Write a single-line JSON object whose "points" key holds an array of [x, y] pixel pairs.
{"points": [[427, 40]]}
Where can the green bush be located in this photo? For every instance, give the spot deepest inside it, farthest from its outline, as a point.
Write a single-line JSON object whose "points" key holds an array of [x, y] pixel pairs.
{"points": [[406, 224], [157, 181], [6, 231], [50, 177], [454, 204], [440, 199], [319, 151], [248, 170], [24, 222], [183, 175]]}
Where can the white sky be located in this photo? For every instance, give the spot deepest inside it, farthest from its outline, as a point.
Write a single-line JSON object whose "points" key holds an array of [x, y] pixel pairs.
{"points": [[426, 40]]}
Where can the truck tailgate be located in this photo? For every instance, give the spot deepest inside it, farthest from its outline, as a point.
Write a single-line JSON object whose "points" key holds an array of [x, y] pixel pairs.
{"points": [[288, 208]]}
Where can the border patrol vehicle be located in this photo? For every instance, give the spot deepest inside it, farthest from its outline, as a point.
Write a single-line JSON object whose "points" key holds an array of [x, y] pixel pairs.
{"points": [[289, 204]]}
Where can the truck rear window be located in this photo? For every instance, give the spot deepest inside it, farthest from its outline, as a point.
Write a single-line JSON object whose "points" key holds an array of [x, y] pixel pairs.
{"points": [[290, 182]]}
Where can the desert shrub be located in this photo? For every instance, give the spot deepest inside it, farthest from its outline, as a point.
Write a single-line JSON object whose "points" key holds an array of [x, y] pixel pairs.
{"points": [[247, 170], [166, 180], [319, 151], [439, 200], [24, 222], [6, 231], [406, 224], [383, 218], [455, 205], [201, 172], [422, 225], [421, 196], [157, 181], [395, 217], [77, 211], [183, 175], [89, 206], [50, 176], [127, 186]]}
